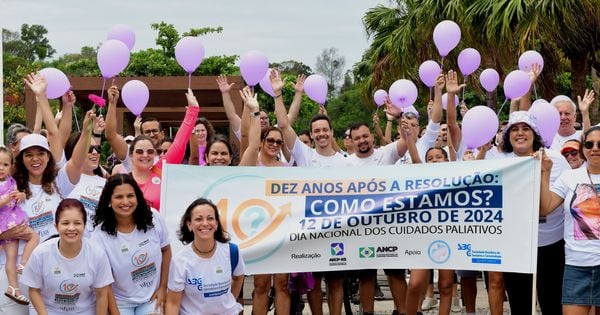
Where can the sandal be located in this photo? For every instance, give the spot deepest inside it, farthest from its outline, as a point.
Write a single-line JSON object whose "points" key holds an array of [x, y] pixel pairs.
{"points": [[20, 269], [20, 299]]}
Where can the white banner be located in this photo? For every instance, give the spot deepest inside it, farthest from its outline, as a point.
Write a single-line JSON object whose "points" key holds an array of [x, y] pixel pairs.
{"points": [[479, 215]]}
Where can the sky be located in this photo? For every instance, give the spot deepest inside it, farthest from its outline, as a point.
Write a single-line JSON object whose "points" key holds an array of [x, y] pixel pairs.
{"points": [[282, 29]]}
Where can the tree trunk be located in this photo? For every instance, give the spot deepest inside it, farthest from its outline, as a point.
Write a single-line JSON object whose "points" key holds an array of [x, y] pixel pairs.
{"points": [[578, 74]]}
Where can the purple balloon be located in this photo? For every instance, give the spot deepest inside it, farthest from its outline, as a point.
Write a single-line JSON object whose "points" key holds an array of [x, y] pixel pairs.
{"points": [[540, 101], [445, 100], [468, 61], [489, 79], [189, 53], [135, 96], [58, 83], [123, 33], [315, 86], [403, 93], [479, 126], [379, 97], [265, 84], [529, 58], [112, 57], [429, 71], [547, 118], [253, 66], [516, 84], [446, 36]]}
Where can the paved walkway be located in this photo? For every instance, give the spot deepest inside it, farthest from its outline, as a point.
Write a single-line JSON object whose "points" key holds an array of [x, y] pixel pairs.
{"points": [[385, 304]]}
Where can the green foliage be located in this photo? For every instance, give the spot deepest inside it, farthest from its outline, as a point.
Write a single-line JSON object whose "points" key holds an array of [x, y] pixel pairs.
{"points": [[31, 43], [347, 109], [292, 67]]}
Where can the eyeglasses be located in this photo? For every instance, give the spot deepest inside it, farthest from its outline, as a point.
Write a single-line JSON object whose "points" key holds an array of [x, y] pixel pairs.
{"points": [[98, 148], [590, 144], [272, 141], [570, 153], [151, 131], [148, 151]]}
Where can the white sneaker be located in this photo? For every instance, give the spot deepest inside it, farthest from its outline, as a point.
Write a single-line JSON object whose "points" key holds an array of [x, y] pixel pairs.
{"points": [[429, 303], [456, 305]]}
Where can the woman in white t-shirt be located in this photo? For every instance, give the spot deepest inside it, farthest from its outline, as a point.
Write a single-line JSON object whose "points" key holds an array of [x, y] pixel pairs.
{"points": [[577, 191], [92, 180], [205, 276], [137, 245], [68, 274]]}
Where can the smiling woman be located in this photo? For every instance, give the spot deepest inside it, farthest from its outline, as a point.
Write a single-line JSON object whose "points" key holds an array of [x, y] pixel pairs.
{"points": [[135, 240]]}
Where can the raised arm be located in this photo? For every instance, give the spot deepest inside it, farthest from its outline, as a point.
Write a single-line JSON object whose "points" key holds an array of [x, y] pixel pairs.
{"points": [[116, 141], [453, 88], [411, 142], [37, 84], [282, 118], [382, 139], [584, 108], [235, 122], [66, 120], [436, 107], [177, 149], [75, 164], [297, 101], [250, 156]]}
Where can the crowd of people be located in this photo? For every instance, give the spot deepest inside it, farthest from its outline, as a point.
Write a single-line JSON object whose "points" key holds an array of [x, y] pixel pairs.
{"points": [[80, 237]]}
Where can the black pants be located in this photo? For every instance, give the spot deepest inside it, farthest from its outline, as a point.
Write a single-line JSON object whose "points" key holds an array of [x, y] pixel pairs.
{"points": [[550, 270]]}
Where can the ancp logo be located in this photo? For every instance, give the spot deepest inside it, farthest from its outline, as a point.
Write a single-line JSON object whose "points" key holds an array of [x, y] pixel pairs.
{"points": [[68, 286], [140, 258]]}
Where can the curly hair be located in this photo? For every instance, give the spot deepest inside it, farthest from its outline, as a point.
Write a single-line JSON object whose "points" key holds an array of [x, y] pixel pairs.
{"points": [[105, 214], [21, 175], [186, 236]]}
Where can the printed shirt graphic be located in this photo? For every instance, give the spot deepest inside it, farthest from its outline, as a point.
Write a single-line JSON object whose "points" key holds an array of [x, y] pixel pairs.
{"points": [[68, 284], [582, 216], [136, 259], [206, 283], [88, 191]]}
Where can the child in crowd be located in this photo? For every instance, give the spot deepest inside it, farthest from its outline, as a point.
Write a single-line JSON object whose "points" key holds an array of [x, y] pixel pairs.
{"points": [[12, 215]]}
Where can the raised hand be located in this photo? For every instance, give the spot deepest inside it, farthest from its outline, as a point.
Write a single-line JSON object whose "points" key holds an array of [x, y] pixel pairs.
{"points": [[99, 125], [299, 86], [391, 109], [224, 86], [191, 98], [452, 85], [250, 99], [536, 69], [89, 120], [463, 109], [375, 118], [68, 98], [276, 81], [440, 82], [586, 101], [36, 83], [113, 94]]}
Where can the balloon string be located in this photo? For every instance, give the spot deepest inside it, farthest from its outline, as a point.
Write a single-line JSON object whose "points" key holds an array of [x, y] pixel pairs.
{"points": [[442, 64], [103, 86], [501, 107], [75, 117], [189, 80], [430, 93], [463, 90], [535, 91]]}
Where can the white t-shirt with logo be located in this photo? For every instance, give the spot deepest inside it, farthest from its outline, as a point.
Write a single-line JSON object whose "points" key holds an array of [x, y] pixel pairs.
{"points": [[205, 282], [40, 207], [387, 155], [68, 284], [306, 156], [581, 213], [135, 259], [550, 228], [88, 191]]}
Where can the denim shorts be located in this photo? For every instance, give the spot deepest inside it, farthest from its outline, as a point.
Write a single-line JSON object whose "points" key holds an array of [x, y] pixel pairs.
{"points": [[581, 285]]}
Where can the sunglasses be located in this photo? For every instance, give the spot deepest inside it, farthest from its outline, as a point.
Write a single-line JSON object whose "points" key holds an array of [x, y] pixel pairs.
{"points": [[272, 141], [590, 144], [148, 151], [98, 148], [570, 153]]}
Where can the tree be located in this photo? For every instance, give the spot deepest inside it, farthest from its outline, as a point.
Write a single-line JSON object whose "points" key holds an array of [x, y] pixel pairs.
{"points": [[30, 44], [292, 67], [168, 36], [331, 65]]}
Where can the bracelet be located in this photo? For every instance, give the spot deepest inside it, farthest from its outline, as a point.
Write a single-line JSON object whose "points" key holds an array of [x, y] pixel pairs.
{"points": [[276, 96], [255, 114], [97, 135]]}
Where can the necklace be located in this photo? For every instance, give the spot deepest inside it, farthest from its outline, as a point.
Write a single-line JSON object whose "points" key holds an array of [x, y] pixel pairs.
{"points": [[201, 252]]}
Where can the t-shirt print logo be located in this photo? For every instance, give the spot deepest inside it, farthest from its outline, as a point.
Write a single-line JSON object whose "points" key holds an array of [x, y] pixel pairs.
{"points": [[139, 258], [67, 286]]}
